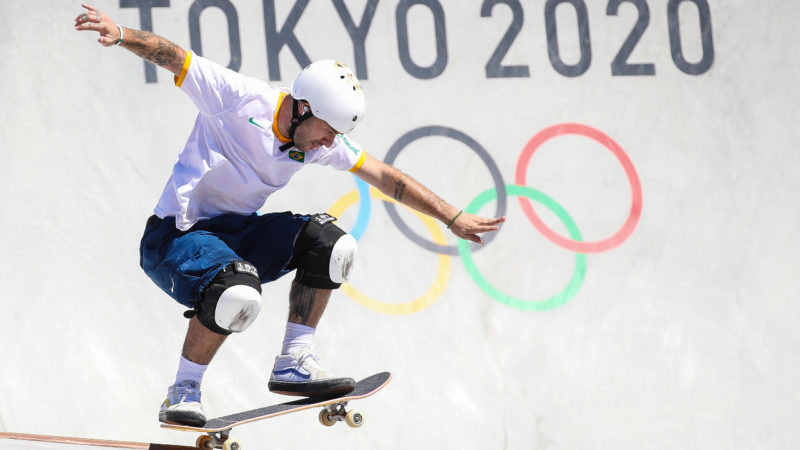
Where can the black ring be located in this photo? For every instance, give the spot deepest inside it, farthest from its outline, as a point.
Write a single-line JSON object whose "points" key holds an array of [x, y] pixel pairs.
{"points": [[499, 184]]}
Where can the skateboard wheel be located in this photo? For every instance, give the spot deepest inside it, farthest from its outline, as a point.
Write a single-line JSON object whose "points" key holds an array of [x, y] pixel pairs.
{"points": [[326, 419], [231, 444], [354, 419], [204, 441]]}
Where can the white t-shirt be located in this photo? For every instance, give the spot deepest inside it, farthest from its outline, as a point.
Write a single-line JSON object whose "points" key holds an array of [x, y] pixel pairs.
{"points": [[232, 160]]}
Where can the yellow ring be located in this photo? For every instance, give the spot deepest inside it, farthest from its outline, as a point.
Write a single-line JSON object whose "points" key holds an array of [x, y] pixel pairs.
{"points": [[442, 273]]}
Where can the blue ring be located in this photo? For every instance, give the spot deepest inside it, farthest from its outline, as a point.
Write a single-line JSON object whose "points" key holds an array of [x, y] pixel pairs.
{"points": [[364, 209]]}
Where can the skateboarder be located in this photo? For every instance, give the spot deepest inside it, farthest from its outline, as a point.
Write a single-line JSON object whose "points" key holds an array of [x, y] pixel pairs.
{"points": [[207, 247]]}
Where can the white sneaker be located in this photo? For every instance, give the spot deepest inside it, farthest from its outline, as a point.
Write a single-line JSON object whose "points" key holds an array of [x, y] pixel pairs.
{"points": [[182, 405], [301, 373]]}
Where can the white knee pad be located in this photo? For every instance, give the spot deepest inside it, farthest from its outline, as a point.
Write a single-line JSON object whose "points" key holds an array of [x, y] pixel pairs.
{"points": [[233, 299], [323, 253], [343, 255], [237, 308]]}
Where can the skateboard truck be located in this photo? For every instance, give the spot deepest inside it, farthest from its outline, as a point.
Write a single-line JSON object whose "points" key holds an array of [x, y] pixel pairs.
{"points": [[219, 439], [337, 412]]}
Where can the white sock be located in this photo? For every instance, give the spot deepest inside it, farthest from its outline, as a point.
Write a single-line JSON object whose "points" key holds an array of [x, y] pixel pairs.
{"points": [[297, 336], [188, 370]]}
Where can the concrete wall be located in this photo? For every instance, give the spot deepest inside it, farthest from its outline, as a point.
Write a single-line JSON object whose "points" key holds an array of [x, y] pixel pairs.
{"points": [[676, 328]]}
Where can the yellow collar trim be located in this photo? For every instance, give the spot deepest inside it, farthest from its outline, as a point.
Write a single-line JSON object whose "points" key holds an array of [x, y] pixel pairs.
{"points": [[275, 129]]}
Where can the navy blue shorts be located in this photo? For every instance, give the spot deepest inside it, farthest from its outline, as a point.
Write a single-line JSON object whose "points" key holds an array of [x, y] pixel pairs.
{"points": [[183, 263]]}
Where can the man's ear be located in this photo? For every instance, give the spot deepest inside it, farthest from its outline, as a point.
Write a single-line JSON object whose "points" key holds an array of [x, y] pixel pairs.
{"points": [[304, 107]]}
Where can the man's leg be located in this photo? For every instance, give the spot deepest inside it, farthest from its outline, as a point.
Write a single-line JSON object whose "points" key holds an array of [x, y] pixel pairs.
{"points": [[307, 304], [201, 344], [199, 348], [201, 271], [228, 304], [322, 254], [183, 398], [298, 371]]}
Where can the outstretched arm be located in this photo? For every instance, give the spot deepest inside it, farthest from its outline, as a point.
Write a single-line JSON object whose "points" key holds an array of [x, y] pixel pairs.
{"points": [[145, 44], [408, 191]]}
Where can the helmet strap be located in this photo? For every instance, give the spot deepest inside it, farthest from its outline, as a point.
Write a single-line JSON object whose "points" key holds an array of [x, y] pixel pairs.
{"points": [[297, 119]]}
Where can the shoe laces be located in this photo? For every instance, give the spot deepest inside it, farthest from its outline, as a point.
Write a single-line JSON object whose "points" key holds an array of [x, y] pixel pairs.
{"points": [[186, 391], [307, 355]]}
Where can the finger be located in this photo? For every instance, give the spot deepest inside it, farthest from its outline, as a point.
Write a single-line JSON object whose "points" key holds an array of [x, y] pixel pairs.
{"points": [[470, 237], [91, 26], [482, 227], [475, 238], [495, 221], [482, 221], [89, 7], [84, 18]]}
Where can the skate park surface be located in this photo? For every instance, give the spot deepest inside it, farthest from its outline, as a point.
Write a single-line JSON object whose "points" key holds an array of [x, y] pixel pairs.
{"points": [[641, 295]]}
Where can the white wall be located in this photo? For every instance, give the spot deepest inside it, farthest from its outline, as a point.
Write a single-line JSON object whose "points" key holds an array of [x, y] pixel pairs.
{"points": [[681, 336]]}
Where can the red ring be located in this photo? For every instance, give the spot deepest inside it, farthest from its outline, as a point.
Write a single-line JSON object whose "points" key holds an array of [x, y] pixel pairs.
{"points": [[636, 188]]}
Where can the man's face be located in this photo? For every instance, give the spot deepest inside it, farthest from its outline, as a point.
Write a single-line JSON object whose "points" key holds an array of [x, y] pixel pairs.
{"points": [[313, 133]]}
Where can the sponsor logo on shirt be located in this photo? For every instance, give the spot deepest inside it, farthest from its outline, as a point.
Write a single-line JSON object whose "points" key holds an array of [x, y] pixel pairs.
{"points": [[349, 145], [254, 123], [297, 155]]}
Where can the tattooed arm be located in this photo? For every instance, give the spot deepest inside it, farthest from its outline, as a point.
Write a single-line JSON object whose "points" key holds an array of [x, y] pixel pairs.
{"points": [[408, 191], [145, 44]]}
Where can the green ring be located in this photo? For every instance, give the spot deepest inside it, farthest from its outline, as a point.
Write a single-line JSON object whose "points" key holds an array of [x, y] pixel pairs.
{"points": [[578, 274]]}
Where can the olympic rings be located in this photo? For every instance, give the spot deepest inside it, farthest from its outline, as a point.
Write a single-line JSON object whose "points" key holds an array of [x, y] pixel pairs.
{"points": [[636, 188], [578, 274], [442, 273], [500, 192], [499, 185]]}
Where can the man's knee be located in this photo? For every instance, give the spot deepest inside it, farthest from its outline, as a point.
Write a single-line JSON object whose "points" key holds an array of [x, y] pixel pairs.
{"points": [[232, 300], [323, 253]]}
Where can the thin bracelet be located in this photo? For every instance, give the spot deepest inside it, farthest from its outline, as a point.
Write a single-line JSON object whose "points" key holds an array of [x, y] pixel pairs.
{"points": [[121, 34], [454, 219]]}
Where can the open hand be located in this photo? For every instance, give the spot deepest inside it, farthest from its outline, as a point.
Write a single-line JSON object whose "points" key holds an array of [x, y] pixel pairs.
{"points": [[95, 20], [467, 226]]}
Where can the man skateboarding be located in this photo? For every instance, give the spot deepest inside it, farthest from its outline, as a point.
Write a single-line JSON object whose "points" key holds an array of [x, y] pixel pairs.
{"points": [[206, 246]]}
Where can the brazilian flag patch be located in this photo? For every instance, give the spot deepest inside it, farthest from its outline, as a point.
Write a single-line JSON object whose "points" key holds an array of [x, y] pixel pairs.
{"points": [[297, 155]]}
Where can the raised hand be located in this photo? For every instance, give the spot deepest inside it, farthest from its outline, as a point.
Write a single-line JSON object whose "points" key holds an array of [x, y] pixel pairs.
{"points": [[95, 20]]}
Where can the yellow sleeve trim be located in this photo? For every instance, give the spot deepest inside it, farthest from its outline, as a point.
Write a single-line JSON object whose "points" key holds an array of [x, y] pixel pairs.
{"points": [[360, 162], [186, 62]]}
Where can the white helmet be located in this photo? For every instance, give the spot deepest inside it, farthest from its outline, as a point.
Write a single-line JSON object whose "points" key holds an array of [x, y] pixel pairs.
{"points": [[333, 92]]}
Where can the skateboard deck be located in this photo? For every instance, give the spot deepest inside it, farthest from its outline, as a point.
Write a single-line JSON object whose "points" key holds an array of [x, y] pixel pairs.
{"points": [[334, 410]]}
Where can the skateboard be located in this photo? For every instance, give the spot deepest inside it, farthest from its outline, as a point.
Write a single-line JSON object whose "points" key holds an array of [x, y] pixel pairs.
{"points": [[333, 410]]}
